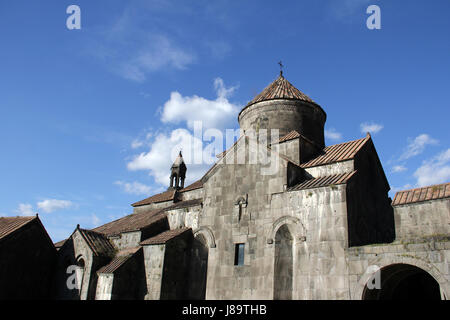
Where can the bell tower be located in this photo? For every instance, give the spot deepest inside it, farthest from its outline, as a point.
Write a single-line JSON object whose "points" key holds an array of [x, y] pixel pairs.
{"points": [[178, 173]]}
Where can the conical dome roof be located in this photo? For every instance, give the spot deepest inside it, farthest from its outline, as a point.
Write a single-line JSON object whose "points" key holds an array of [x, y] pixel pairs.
{"points": [[280, 89]]}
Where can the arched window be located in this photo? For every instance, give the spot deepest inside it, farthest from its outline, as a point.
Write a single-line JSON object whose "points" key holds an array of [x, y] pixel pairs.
{"points": [[284, 264], [80, 273]]}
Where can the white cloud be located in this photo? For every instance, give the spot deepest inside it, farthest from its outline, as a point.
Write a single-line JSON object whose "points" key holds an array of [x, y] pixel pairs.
{"points": [[417, 146], [216, 113], [164, 151], [25, 209], [398, 168], [345, 9], [435, 170], [370, 127], [136, 144], [158, 53], [50, 205], [219, 49], [213, 116], [332, 134], [397, 189], [134, 187], [95, 220]]}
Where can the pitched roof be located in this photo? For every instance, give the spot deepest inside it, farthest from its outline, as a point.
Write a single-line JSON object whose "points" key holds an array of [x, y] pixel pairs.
{"points": [[184, 204], [335, 179], [59, 244], [10, 224], [338, 152], [164, 236], [195, 185], [439, 191], [294, 135], [160, 197], [280, 89], [98, 243], [168, 195], [132, 222], [121, 257], [290, 136]]}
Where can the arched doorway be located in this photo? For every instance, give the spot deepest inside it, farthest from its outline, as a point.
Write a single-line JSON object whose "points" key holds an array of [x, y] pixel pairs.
{"points": [[284, 263], [404, 282], [198, 268]]}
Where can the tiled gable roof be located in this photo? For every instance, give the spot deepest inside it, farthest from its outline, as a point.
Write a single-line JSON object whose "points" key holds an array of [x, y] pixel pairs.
{"points": [[335, 179], [120, 259], [132, 222], [164, 236], [169, 195], [98, 243], [10, 224], [290, 136], [160, 197], [184, 204], [338, 152], [294, 135], [280, 89], [195, 185], [434, 192]]}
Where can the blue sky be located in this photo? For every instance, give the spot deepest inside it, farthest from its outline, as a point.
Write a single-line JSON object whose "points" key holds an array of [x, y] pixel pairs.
{"points": [[88, 117]]}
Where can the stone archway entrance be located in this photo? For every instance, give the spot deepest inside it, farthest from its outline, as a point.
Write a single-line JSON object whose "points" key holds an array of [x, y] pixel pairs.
{"points": [[404, 282]]}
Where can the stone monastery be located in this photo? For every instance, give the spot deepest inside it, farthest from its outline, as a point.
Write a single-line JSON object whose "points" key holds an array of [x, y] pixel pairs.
{"points": [[321, 226]]}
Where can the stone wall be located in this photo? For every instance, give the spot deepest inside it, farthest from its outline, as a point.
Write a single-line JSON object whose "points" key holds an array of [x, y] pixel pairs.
{"points": [[430, 254], [152, 206], [127, 240], [330, 169], [104, 286], [290, 149], [75, 251], [129, 281], [285, 115], [192, 194], [316, 218], [184, 217], [369, 211], [430, 218], [167, 268]]}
